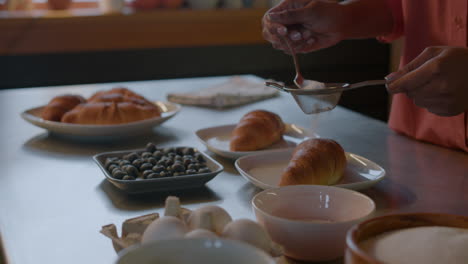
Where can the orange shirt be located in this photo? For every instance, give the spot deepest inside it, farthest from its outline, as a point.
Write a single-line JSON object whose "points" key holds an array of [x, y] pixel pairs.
{"points": [[427, 23]]}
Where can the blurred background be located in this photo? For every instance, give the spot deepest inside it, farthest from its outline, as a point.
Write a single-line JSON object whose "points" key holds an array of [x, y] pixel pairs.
{"points": [[62, 42]]}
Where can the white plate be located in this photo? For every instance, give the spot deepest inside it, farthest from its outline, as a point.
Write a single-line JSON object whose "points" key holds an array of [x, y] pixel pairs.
{"points": [[33, 116], [265, 170], [217, 139]]}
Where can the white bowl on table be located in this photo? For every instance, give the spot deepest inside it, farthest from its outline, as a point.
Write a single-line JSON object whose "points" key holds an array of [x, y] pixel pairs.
{"points": [[182, 251], [310, 221]]}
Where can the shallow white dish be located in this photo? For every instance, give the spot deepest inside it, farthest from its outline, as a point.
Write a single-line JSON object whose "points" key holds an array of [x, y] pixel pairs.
{"points": [[217, 139], [201, 250], [168, 111], [265, 170]]}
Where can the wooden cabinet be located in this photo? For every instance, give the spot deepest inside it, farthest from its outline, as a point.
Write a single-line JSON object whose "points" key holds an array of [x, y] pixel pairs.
{"points": [[87, 30]]}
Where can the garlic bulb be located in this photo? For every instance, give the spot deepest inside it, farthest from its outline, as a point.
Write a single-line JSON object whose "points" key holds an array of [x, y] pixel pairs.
{"points": [[219, 218], [200, 233], [167, 227], [250, 232]]}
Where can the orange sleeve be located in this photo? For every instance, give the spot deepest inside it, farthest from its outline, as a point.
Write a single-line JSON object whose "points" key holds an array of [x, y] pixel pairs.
{"points": [[396, 8]]}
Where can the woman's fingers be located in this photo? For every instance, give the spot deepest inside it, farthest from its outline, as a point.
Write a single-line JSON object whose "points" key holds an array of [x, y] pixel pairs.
{"points": [[416, 78], [405, 72]]}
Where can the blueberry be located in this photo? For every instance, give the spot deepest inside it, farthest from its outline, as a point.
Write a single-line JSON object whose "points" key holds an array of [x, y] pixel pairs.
{"points": [[124, 162], [150, 147], [128, 178], [168, 150], [157, 154], [152, 161], [131, 156], [189, 161], [199, 157], [110, 161], [192, 167], [137, 163], [146, 154], [178, 167], [146, 166], [153, 176], [169, 162], [204, 170], [117, 168], [146, 173], [163, 174], [112, 167], [118, 174], [161, 162], [180, 150], [130, 170], [191, 171], [188, 151], [158, 168]]}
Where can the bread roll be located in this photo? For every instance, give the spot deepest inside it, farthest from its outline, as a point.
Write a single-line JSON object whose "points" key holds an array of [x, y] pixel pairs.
{"points": [[109, 113], [59, 105], [257, 130], [315, 161]]}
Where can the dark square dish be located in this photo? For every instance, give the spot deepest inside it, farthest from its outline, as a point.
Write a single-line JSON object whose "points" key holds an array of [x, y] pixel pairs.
{"points": [[158, 184]]}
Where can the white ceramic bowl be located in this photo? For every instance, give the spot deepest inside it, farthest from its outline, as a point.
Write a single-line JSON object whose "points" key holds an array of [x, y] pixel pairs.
{"points": [[311, 221], [182, 251]]}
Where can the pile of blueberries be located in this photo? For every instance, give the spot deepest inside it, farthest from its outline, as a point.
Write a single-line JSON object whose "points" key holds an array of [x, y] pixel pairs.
{"points": [[156, 162]]}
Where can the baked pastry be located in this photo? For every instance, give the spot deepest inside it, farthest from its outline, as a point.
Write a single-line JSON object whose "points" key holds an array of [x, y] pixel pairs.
{"points": [[257, 130], [109, 113], [315, 161], [59, 105], [118, 95]]}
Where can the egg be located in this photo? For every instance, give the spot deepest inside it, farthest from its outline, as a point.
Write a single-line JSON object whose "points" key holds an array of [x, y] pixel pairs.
{"points": [[250, 232], [167, 227], [200, 233], [218, 217]]}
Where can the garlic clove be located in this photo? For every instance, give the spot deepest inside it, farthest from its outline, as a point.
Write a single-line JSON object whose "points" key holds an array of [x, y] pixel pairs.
{"points": [[167, 227], [250, 232], [200, 233], [172, 206], [219, 218]]}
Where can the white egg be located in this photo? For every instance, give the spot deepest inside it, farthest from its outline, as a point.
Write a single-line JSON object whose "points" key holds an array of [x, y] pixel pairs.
{"points": [[200, 233], [250, 232], [167, 227], [218, 216]]}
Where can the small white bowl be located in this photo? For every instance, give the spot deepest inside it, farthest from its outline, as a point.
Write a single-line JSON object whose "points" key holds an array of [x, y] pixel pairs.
{"points": [[182, 251], [311, 221]]}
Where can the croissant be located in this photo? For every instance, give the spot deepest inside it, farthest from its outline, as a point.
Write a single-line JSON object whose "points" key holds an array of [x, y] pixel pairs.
{"points": [[59, 105], [257, 130], [315, 161], [109, 113], [119, 95]]}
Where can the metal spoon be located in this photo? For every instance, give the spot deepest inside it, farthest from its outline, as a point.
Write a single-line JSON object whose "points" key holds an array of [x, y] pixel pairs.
{"points": [[298, 79]]}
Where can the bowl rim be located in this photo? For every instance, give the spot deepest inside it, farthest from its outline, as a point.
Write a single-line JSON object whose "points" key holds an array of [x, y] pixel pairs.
{"points": [[153, 244], [352, 244], [256, 208]]}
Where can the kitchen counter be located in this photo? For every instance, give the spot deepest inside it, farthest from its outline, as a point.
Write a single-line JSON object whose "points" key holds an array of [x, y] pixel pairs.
{"points": [[54, 199]]}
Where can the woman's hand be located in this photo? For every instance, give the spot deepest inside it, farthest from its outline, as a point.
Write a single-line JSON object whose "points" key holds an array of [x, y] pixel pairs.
{"points": [[308, 24], [436, 80]]}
